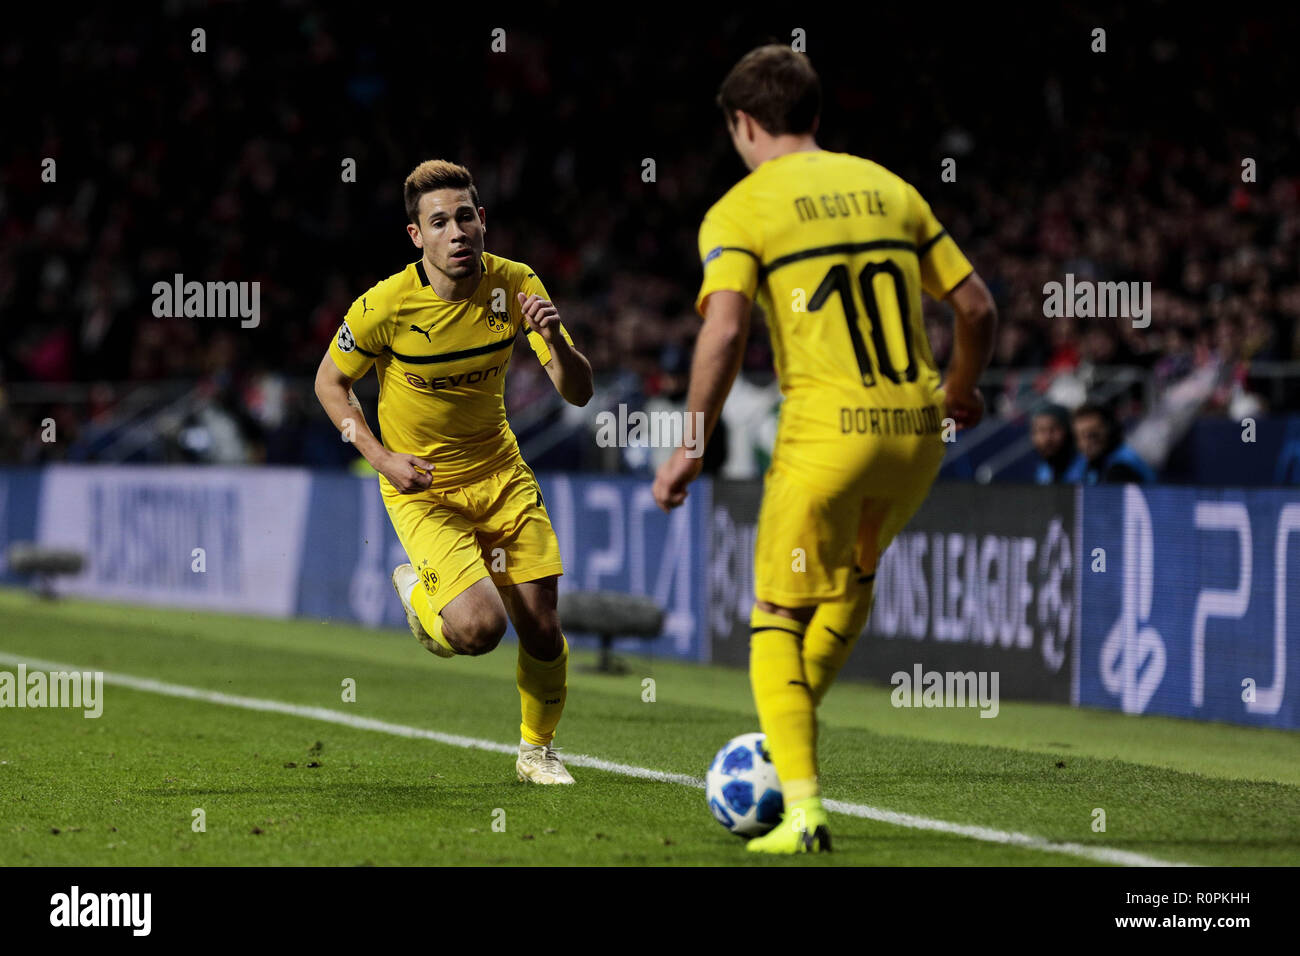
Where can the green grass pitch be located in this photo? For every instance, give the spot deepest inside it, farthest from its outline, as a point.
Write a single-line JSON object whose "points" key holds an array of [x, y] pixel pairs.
{"points": [[280, 788]]}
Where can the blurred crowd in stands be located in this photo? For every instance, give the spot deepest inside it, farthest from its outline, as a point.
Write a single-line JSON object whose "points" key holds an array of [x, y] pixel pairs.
{"points": [[1125, 165]]}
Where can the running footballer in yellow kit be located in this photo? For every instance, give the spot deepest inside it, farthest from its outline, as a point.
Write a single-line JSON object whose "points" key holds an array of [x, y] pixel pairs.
{"points": [[836, 250], [440, 335]]}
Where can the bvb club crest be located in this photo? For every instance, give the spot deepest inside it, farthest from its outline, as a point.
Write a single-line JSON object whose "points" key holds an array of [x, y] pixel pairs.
{"points": [[498, 321], [430, 579]]}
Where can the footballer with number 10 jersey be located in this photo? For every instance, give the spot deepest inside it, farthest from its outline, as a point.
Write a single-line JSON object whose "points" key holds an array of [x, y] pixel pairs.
{"points": [[837, 251]]}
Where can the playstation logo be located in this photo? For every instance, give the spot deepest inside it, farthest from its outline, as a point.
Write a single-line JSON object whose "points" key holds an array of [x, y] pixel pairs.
{"points": [[1133, 654]]}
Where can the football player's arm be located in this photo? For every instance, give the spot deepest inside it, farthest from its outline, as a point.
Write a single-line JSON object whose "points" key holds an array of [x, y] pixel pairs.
{"points": [[976, 317], [365, 332], [947, 275], [719, 350], [729, 256], [334, 391], [569, 370]]}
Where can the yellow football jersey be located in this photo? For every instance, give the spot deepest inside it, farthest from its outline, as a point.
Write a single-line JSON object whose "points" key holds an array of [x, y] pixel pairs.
{"points": [[837, 250], [442, 365]]}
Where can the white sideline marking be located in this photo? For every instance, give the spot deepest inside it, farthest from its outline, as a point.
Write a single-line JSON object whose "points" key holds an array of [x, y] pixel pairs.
{"points": [[987, 834]]}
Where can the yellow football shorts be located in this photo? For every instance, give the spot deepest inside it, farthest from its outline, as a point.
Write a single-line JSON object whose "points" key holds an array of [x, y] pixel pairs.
{"points": [[496, 526], [823, 527]]}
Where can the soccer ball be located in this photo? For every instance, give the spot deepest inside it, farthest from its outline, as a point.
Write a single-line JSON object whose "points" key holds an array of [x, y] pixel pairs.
{"points": [[742, 787]]}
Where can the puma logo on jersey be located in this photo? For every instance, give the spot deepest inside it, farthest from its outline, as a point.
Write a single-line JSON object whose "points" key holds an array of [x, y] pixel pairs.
{"points": [[836, 634], [365, 308], [416, 328]]}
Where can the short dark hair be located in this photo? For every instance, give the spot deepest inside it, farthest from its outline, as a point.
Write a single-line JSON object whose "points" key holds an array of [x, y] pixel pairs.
{"points": [[435, 174], [1059, 413], [776, 86]]}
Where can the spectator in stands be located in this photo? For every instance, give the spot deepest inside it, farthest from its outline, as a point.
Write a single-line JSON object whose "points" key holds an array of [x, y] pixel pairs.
{"points": [[1113, 197], [1104, 455], [1049, 431]]}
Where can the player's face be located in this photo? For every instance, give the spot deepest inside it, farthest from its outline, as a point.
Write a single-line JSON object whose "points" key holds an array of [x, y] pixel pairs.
{"points": [[1047, 435], [451, 232]]}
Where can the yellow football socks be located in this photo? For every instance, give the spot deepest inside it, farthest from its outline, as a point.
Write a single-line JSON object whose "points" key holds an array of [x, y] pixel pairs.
{"points": [[831, 634], [542, 690], [784, 701], [432, 622]]}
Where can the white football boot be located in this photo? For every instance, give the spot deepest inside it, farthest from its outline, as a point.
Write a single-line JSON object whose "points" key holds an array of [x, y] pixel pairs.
{"points": [[541, 765], [404, 580]]}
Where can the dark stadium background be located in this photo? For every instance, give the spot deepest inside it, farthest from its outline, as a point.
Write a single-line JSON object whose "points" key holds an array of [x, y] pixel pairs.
{"points": [[225, 165], [1140, 639]]}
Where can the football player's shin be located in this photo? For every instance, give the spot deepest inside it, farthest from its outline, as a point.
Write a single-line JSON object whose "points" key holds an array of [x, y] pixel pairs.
{"points": [[831, 634], [784, 701], [542, 690]]}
